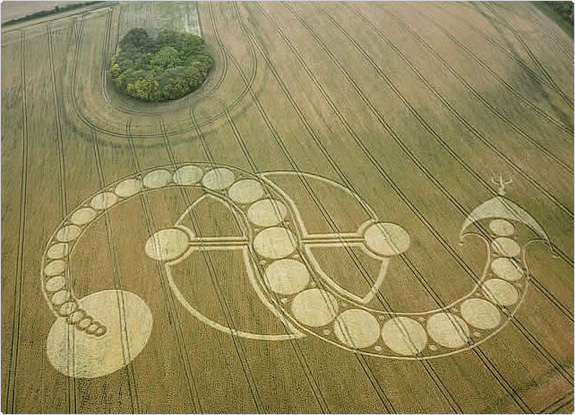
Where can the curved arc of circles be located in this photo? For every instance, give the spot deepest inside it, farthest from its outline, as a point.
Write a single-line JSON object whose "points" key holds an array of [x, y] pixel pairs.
{"points": [[84, 227], [507, 315], [240, 216], [207, 166], [354, 298], [71, 249], [100, 212]]}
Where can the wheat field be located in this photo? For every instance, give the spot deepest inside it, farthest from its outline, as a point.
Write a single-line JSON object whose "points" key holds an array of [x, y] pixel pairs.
{"points": [[367, 208]]}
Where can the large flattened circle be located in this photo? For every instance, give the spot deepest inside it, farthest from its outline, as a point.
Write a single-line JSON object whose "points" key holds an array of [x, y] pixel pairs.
{"points": [[89, 356], [287, 276], [404, 336], [314, 307], [275, 243], [267, 212], [167, 244], [387, 239], [357, 328], [448, 330]]}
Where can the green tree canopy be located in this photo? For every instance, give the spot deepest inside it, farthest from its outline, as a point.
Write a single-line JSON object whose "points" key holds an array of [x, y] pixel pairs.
{"points": [[168, 67]]}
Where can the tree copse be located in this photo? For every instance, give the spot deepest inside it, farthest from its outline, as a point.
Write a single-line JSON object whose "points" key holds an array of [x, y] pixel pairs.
{"points": [[165, 68]]}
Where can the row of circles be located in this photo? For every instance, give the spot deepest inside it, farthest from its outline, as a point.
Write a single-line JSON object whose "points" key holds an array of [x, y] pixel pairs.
{"points": [[359, 329], [55, 281], [275, 242], [312, 307], [287, 276]]}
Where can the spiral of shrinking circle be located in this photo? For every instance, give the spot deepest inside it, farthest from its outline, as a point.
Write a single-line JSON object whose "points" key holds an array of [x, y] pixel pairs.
{"points": [[293, 286]]}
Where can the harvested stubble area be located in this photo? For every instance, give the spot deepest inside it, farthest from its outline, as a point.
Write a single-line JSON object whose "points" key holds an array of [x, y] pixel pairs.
{"points": [[366, 208]]}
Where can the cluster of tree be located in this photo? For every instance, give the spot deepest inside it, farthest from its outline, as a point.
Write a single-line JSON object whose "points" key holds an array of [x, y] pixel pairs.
{"points": [[564, 8], [161, 69], [42, 13]]}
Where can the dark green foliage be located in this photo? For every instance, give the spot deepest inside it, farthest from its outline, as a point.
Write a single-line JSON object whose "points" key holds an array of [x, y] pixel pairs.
{"points": [[161, 69], [565, 20], [564, 8], [43, 13]]}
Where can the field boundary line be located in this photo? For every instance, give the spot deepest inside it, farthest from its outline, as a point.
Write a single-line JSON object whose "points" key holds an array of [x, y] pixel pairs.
{"points": [[57, 16]]}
